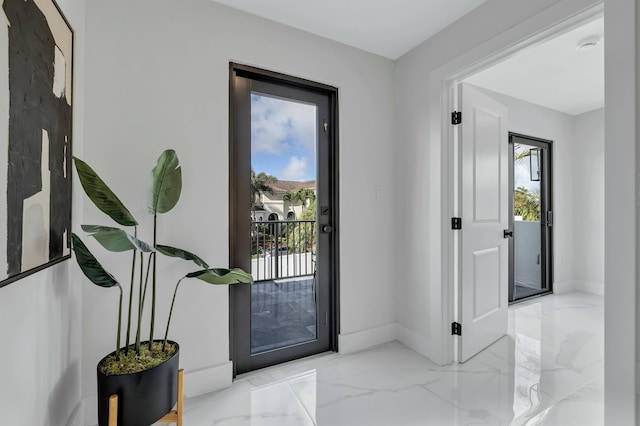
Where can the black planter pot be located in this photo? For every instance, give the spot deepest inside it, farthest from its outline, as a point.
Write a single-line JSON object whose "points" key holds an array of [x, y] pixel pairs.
{"points": [[144, 397]]}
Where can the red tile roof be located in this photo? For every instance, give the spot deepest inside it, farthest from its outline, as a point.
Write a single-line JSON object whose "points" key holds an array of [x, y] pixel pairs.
{"points": [[289, 185]]}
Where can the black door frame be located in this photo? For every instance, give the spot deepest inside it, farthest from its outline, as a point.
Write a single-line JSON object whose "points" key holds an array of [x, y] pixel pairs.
{"points": [[237, 191], [546, 214]]}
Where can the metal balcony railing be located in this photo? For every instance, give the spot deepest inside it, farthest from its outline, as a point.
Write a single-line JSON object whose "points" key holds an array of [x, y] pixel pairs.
{"points": [[282, 249]]}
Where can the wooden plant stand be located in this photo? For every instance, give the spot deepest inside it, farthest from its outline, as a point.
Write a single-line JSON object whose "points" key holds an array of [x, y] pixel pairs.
{"points": [[173, 416]]}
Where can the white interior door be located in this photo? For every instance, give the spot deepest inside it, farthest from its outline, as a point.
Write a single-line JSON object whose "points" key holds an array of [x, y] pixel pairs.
{"points": [[484, 250]]}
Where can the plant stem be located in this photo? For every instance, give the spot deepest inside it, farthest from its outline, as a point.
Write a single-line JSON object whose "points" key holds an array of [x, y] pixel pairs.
{"points": [[166, 333], [153, 288], [133, 273], [146, 280], [143, 295], [140, 302], [119, 324]]}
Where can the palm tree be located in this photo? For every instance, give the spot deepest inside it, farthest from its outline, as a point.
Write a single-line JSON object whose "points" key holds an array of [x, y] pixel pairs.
{"points": [[304, 195], [289, 196], [302, 238], [520, 155], [301, 196], [526, 204], [260, 183]]}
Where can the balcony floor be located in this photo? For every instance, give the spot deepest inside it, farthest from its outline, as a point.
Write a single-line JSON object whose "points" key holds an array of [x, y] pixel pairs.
{"points": [[524, 291], [283, 313]]}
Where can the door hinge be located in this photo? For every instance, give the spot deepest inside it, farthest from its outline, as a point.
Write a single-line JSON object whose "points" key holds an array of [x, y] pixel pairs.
{"points": [[456, 329], [325, 125], [456, 117], [456, 223]]}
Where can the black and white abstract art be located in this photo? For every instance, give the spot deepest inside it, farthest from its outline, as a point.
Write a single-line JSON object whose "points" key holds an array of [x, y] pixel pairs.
{"points": [[36, 64]]}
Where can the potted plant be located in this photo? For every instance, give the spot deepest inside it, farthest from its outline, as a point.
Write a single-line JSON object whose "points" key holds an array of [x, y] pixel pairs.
{"points": [[142, 373]]}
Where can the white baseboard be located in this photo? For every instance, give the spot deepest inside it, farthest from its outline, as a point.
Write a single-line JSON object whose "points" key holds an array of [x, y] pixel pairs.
{"points": [[560, 287], [77, 415], [422, 345], [589, 287], [415, 341], [90, 410], [360, 340], [208, 379]]}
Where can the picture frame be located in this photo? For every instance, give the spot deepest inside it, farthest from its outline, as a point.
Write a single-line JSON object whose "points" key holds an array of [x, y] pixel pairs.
{"points": [[36, 125]]}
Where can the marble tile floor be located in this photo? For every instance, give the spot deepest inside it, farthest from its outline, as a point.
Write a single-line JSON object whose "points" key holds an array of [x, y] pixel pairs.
{"points": [[547, 371]]}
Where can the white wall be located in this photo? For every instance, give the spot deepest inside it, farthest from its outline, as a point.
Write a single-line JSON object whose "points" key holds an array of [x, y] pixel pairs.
{"points": [[621, 19], [421, 177], [157, 77], [588, 201], [42, 356], [41, 314]]}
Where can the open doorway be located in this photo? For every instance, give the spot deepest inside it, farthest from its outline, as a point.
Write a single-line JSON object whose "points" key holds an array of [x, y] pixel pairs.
{"points": [[553, 89]]}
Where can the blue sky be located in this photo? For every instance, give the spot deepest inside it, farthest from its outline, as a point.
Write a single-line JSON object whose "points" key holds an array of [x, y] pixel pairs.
{"points": [[283, 138]]}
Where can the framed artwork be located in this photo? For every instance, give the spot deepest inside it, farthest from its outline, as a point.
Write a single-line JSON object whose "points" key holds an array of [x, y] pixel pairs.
{"points": [[36, 81]]}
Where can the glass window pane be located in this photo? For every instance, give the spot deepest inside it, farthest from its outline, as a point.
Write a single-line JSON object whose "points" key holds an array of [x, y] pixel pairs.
{"points": [[283, 222]]}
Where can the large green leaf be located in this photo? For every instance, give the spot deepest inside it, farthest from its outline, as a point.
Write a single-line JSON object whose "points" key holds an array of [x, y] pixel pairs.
{"points": [[222, 276], [182, 254], [102, 196], [90, 265], [166, 183], [115, 239]]}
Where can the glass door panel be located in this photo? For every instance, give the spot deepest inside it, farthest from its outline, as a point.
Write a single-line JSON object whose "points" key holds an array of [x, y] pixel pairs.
{"points": [[530, 223], [283, 222]]}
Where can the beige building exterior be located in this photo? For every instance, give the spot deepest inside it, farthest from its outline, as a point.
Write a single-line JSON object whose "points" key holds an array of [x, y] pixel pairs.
{"points": [[271, 206]]}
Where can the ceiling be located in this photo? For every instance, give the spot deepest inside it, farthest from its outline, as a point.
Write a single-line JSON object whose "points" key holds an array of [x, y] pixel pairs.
{"points": [[388, 28], [554, 74]]}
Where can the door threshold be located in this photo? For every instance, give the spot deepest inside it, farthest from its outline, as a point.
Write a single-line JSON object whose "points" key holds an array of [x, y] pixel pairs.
{"points": [[287, 364]]}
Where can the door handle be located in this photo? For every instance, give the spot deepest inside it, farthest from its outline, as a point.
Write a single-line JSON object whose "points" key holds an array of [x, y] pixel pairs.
{"points": [[326, 229], [508, 233]]}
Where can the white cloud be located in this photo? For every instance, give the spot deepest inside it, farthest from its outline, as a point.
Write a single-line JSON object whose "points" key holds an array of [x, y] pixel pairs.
{"points": [[523, 177], [522, 172], [278, 125], [297, 169]]}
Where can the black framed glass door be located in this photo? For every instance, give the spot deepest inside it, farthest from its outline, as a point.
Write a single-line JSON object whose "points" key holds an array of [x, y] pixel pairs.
{"points": [[531, 219], [283, 220]]}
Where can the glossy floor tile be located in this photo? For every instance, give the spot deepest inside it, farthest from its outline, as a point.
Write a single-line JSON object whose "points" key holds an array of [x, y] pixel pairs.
{"points": [[547, 371]]}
